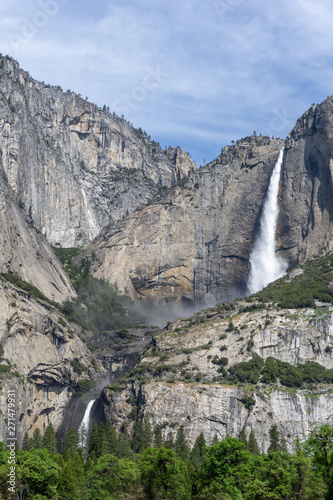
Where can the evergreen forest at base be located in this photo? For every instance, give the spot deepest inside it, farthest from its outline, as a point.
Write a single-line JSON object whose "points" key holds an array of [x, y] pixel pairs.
{"points": [[145, 466]]}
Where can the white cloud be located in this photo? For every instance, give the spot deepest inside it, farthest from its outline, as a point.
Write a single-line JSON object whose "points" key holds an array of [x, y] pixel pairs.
{"points": [[227, 72]]}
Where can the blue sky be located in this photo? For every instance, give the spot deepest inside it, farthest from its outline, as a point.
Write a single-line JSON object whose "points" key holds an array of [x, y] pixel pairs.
{"points": [[191, 73]]}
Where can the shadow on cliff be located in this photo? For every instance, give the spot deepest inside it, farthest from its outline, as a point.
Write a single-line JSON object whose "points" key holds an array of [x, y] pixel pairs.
{"points": [[76, 408]]}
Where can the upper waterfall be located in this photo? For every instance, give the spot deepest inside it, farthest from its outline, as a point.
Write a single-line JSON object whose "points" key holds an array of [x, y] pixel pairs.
{"points": [[266, 265]]}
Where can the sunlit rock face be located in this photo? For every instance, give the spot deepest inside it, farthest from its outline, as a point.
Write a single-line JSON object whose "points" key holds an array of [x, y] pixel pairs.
{"points": [[25, 252], [41, 350], [193, 244], [306, 194], [74, 166], [188, 348]]}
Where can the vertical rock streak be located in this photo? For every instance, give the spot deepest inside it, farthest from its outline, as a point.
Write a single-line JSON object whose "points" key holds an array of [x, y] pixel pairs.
{"points": [[266, 266]]}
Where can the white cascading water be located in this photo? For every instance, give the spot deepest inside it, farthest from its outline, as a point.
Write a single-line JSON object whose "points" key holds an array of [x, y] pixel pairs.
{"points": [[266, 266], [85, 424]]}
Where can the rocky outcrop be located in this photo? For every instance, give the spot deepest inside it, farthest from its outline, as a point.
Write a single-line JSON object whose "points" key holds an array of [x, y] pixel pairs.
{"points": [[306, 209], [42, 359], [179, 377], [215, 409], [194, 243], [25, 252], [74, 166]]}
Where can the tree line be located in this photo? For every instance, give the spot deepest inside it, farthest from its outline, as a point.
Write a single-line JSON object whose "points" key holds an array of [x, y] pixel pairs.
{"points": [[147, 466]]}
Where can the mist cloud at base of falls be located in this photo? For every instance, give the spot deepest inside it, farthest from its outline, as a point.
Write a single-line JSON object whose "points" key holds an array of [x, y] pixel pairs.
{"points": [[266, 265]]}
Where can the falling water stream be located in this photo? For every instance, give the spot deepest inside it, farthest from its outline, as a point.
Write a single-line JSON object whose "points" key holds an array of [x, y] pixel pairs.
{"points": [[266, 265], [85, 424]]}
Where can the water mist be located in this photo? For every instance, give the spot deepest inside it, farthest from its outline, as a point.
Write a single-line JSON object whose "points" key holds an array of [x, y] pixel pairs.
{"points": [[266, 265]]}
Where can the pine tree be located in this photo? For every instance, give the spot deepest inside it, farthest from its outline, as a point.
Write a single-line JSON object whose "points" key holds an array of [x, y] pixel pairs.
{"points": [[137, 444], [169, 442], [78, 467], [83, 436], [26, 442], [36, 440], [215, 439], [198, 453], [101, 440], [252, 444], [93, 439], [111, 438], [158, 438], [142, 434], [67, 483], [70, 443], [274, 439], [147, 433], [181, 447], [242, 437], [283, 445], [49, 439], [124, 447]]}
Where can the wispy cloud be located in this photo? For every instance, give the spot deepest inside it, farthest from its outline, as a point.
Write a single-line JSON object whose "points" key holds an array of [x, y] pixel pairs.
{"points": [[228, 66]]}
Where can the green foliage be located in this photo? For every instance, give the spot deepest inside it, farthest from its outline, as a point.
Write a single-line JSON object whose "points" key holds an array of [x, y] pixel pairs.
{"points": [[112, 478], [227, 470], [164, 475], [274, 439], [252, 444], [223, 361], [83, 386], [181, 446], [36, 440], [40, 474], [99, 306], [302, 291], [248, 401], [247, 371], [49, 439], [66, 257], [142, 434], [273, 370], [319, 447], [5, 368], [198, 453], [23, 285], [70, 443]]}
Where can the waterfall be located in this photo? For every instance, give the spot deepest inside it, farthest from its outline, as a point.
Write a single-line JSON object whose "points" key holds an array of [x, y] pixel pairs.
{"points": [[266, 266], [85, 424]]}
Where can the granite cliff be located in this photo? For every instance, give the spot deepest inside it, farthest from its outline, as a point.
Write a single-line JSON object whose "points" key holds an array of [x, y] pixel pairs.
{"points": [[193, 243], [63, 155], [166, 232], [42, 359], [25, 252], [305, 224], [181, 378]]}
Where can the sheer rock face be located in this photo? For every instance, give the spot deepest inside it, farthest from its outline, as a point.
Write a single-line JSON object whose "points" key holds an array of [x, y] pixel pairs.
{"points": [[25, 252], [306, 205], [74, 166], [187, 349], [39, 345], [194, 244], [214, 409]]}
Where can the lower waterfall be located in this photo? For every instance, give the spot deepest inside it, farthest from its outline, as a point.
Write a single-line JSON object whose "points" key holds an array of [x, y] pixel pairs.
{"points": [[85, 425], [266, 266]]}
